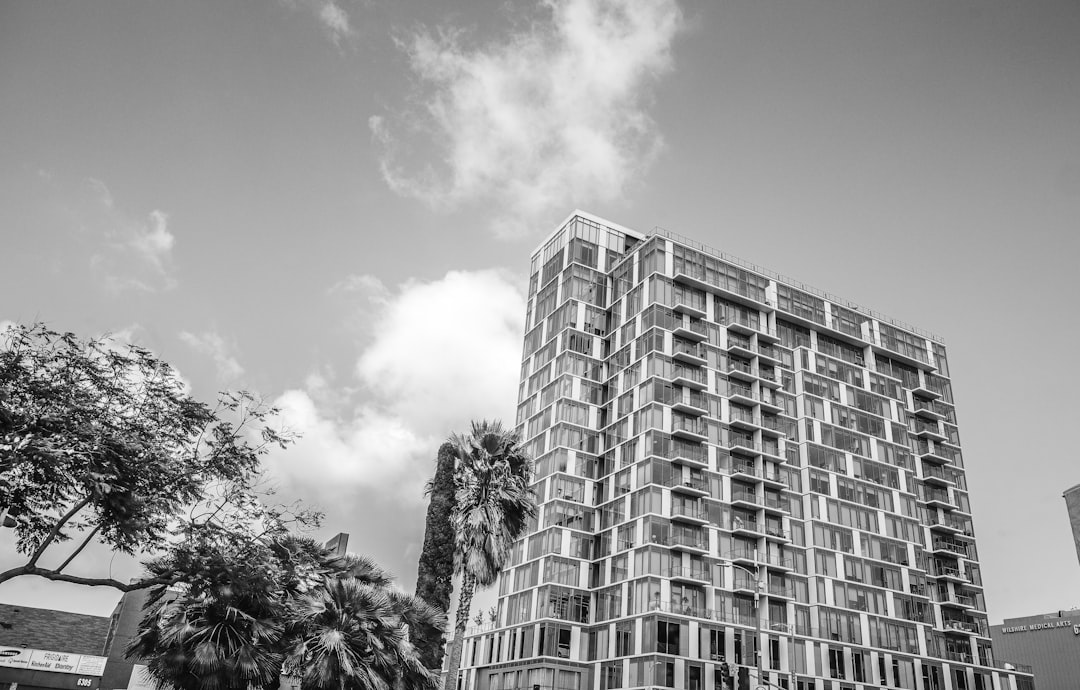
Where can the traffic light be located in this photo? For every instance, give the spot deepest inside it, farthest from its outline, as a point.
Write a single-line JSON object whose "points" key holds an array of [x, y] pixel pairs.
{"points": [[725, 674], [6, 519]]}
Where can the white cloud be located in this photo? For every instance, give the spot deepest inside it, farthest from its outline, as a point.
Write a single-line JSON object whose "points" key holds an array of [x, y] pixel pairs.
{"points": [[330, 15], [130, 253], [549, 117], [439, 355], [220, 350]]}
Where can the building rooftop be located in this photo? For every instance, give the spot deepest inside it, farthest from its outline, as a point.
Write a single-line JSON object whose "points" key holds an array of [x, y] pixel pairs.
{"points": [[59, 631]]}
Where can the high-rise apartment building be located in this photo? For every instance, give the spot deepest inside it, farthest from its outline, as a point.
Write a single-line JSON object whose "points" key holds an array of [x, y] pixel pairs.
{"points": [[738, 475]]}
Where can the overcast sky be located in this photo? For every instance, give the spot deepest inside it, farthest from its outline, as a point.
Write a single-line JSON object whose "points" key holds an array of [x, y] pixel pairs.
{"points": [[333, 202]]}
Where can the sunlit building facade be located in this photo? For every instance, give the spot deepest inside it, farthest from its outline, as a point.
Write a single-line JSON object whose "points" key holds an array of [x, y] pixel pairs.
{"points": [[737, 475]]}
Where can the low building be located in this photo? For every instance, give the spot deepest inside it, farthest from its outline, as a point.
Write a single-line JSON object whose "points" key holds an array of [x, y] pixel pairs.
{"points": [[42, 649], [1048, 643]]}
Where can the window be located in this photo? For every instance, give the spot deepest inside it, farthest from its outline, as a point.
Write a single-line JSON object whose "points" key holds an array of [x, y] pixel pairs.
{"points": [[624, 639], [836, 663], [667, 637]]}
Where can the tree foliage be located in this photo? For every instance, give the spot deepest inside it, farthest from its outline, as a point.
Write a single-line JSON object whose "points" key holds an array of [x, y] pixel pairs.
{"points": [[494, 502], [101, 440], [336, 623], [434, 581]]}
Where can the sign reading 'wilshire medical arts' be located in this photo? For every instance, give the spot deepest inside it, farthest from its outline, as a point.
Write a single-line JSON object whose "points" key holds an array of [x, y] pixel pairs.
{"points": [[57, 662], [1041, 626]]}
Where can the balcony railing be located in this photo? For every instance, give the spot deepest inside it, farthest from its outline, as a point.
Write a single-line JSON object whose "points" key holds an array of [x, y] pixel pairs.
{"points": [[692, 425], [693, 374], [953, 546], [695, 484], [690, 540], [691, 511], [681, 347], [690, 573]]}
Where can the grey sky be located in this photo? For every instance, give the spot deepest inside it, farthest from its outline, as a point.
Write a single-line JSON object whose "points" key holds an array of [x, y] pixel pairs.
{"points": [[208, 179]]}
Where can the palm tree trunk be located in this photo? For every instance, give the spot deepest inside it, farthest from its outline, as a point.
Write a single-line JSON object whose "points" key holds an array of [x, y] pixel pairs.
{"points": [[468, 583]]}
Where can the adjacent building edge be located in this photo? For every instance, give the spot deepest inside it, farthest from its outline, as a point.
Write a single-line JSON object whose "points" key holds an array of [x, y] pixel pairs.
{"points": [[735, 472]]}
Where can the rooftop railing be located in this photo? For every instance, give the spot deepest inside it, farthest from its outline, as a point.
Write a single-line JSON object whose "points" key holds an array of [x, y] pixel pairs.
{"points": [[694, 244]]}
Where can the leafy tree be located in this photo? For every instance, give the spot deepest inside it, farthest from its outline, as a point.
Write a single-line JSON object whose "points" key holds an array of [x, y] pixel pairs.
{"points": [[494, 503], [101, 440], [434, 581]]}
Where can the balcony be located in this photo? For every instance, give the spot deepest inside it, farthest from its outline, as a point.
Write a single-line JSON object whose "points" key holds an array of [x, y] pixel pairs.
{"points": [[934, 452], [948, 524], [949, 573], [777, 534], [959, 626], [935, 474], [692, 378], [741, 394], [739, 347], [922, 391], [947, 545], [954, 655], [768, 378], [937, 498], [780, 591], [747, 499], [692, 402], [697, 576], [692, 330], [961, 601], [686, 304], [778, 562], [770, 354], [691, 514], [747, 557], [690, 455], [742, 419], [689, 353], [769, 400], [689, 428], [740, 324], [774, 503], [691, 487], [928, 429], [745, 471], [744, 584], [927, 410], [749, 528], [740, 370], [689, 541]]}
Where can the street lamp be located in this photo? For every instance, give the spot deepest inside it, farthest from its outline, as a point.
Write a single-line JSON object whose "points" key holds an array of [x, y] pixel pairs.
{"points": [[759, 584]]}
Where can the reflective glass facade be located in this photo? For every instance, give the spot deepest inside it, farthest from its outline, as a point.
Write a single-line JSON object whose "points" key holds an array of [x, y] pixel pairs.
{"points": [[733, 471]]}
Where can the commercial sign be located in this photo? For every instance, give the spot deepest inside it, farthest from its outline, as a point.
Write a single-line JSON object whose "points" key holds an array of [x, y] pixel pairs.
{"points": [[56, 662], [1041, 626]]}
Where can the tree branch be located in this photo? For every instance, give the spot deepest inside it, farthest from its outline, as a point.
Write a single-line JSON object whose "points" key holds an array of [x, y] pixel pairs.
{"points": [[48, 540], [89, 581], [82, 546]]}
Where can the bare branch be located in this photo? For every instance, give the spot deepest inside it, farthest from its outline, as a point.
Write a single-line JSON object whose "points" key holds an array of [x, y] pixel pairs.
{"points": [[51, 536], [82, 546], [89, 581]]}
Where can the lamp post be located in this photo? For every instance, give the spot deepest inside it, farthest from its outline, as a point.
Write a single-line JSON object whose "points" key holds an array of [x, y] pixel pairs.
{"points": [[759, 584]]}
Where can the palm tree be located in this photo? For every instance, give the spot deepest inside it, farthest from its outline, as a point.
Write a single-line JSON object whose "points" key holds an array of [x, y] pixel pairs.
{"points": [[339, 622], [434, 578], [223, 633], [352, 633], [494, 503]]}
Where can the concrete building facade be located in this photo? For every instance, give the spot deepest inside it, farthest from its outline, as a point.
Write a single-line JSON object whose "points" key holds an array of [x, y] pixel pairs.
{"points": [[743, 482], [1048, 643]]}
